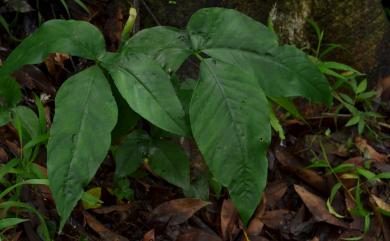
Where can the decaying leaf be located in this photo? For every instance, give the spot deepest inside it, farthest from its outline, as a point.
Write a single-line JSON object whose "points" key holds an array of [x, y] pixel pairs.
{"points": [[277, 218], [177, 211], [317, 207], [99, 228]]}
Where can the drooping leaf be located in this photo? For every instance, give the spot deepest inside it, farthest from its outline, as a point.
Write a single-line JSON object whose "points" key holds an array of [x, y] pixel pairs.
{"points": [[170, 162], [57, 36], [85, 115], [282, 72], [233, 132], [131, 153], [230, 36], [226, 30], [148, 90], [54, 36], [167, 45]]}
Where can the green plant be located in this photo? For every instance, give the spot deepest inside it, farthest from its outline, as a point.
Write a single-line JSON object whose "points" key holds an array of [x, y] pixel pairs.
{"points": [[241, 64], [22, 170], [362, 178], [349, 88]]}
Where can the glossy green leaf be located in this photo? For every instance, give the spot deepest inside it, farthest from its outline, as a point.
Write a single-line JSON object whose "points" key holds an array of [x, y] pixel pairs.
{"points": [[80, 136], [226, 29], [233, 132], [131, 153], [282, 72], [148, 90], [168, 46], [170, 162]]}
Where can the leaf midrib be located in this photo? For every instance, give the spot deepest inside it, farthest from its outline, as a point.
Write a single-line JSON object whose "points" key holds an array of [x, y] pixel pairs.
{"points": [[82, 123], [229, 108], [153, 96]]}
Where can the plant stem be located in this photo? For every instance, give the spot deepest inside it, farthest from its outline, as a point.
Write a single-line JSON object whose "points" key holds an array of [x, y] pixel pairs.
{"points": [[129, 25]]}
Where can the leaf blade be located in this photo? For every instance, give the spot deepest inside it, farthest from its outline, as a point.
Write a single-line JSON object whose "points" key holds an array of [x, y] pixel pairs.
{"points": [[80, 136], [148, 90], [233, 132]]}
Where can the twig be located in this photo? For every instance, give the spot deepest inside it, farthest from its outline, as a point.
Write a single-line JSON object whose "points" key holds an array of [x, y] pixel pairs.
{"points": [[151, 13], [137, 24]]}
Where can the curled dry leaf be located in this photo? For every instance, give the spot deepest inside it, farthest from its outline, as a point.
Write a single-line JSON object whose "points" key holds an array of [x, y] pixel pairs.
{"points": [[368, 150], [104, 233], [177, 211], [317, 207]]}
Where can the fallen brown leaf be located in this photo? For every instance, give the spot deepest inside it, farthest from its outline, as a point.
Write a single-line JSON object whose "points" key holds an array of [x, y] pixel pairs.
{"points": [[229, 219], [104, 233], [274, 193], [177, 211], [368, 150], [277, 218], [291, 164], [317, 207]]}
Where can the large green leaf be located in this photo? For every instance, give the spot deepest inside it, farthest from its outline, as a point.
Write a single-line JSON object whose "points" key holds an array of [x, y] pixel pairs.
{"points": [[227, 29], [282, 72], [148, 90], [86, 113], [170, 162], [78, 38], [230, 122], [131, 153], [168, 46]]}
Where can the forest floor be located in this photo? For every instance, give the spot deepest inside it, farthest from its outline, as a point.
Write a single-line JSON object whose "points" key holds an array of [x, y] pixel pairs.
{"points": [[325, 182]]}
